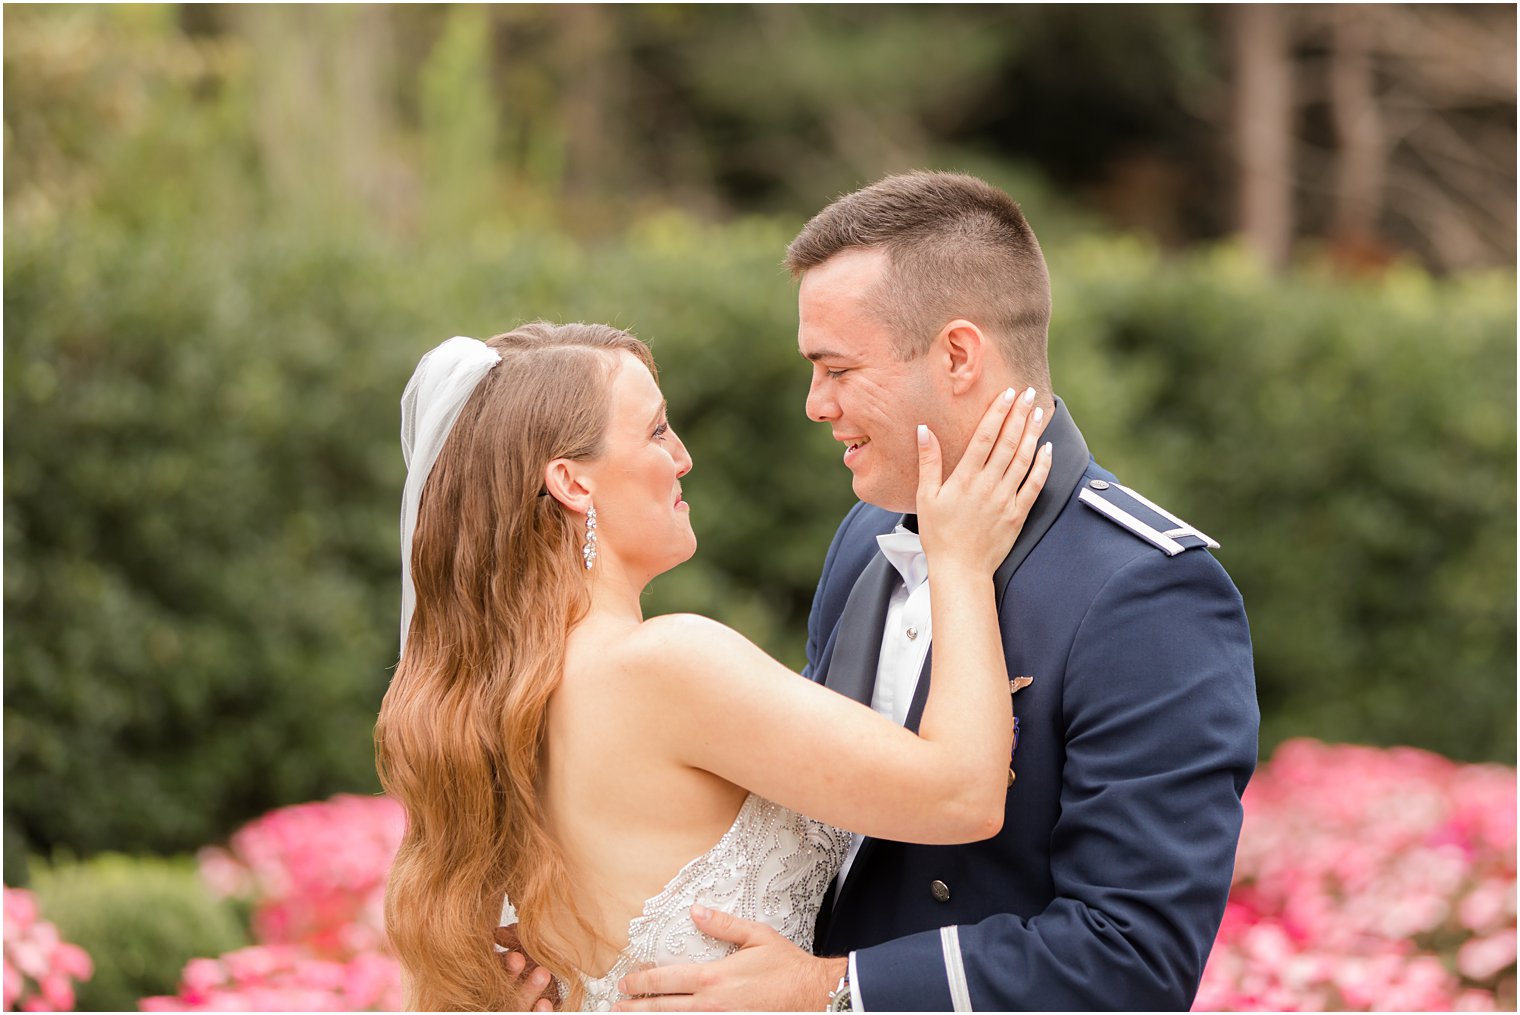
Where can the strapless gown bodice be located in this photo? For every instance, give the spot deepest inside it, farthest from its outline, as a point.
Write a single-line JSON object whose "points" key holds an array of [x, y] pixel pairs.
{"points": [[772, 866]]}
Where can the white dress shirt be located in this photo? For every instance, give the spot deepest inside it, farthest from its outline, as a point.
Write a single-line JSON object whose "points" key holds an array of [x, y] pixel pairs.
{"points": [[904, 645], [904, 642]]}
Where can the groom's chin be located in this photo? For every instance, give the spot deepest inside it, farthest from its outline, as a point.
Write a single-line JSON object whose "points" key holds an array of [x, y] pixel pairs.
{"points": [[887, 500]]}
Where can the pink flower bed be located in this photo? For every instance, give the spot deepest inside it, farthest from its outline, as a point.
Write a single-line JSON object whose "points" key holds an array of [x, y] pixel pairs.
{"points": [[1370, 879], [284, 978], [1366, 880], [40, 969], [315, 874]]}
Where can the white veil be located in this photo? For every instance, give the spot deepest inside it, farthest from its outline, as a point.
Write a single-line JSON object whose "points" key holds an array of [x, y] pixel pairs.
{"points": [[441, 384]]}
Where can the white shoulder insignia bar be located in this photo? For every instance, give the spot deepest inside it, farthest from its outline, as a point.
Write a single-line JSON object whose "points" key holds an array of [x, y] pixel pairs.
{"points": [[1156, 525]]}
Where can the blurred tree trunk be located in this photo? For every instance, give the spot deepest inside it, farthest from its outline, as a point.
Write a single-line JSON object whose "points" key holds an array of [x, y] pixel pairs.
{"points": [[322, 107], [1264, 128], [589, 53], [1361, 159]]}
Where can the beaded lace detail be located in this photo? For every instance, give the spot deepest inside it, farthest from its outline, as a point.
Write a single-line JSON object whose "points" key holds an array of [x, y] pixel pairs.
{"points": [[772, 866]]}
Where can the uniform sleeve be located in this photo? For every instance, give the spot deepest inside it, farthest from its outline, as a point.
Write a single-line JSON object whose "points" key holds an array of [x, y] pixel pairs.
{"points": [[1161, 721]]}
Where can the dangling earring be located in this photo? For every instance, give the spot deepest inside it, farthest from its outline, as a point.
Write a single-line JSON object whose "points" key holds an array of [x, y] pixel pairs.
{"points": [[588, 550]]}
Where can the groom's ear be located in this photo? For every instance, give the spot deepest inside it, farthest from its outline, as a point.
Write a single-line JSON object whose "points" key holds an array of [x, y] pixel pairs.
{"points": [[567, 483], [964, 349]]}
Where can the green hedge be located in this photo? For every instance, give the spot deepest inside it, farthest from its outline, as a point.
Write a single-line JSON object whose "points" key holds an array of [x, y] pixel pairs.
{"points": [[202, 479], [140, 919], [1352, 447]]}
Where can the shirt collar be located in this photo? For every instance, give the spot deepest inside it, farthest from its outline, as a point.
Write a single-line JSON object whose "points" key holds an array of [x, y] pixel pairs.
{"points": [[905, 552]]}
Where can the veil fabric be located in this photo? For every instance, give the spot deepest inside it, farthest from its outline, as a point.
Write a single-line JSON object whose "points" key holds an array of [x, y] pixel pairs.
{"points": [[441, 384]]}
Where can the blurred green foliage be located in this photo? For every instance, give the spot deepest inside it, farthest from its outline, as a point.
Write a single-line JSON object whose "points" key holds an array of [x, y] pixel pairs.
{"points": [[139, 918], [1350, 444], [201, 485], [209, 325]]}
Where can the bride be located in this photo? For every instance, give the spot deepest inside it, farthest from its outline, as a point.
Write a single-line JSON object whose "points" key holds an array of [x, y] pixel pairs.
{"points": [[552, 746]]}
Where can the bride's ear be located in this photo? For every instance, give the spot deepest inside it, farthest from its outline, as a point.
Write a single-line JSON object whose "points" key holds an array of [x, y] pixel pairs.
{"points": [[567, 483]]}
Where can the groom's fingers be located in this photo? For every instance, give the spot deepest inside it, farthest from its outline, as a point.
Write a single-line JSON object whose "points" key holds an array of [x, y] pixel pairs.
{"points": [[727, 927], [533, 981], [661, 983], [665, 1002]]}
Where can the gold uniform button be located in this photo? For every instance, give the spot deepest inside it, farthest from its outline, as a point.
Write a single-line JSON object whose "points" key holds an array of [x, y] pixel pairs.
{"points": [[1011, 777], [940, 891]]}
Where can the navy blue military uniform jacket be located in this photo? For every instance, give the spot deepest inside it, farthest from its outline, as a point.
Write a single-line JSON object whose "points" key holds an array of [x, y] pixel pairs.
{"points": [[1136, 737]]}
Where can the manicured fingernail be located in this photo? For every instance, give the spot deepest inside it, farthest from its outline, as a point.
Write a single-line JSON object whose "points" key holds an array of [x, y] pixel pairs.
{"points": [[701, 912], [1039, 414], [1028, 396], [1008, 397], [1047, 449], [923, 435]]}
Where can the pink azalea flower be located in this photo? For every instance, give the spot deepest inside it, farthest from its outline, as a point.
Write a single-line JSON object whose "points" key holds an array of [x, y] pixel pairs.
{"points": [[40, 968], [1369, 879], [13, 985], [20, 910], [1483, 958], [73, 961]]}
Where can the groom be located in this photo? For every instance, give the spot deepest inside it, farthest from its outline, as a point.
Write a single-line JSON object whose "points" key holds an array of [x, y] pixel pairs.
{"points": [[1131, 686]]}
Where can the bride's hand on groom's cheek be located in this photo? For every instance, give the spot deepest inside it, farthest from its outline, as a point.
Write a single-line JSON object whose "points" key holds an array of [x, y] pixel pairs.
{"points": [[767, 973], [536, 989]]}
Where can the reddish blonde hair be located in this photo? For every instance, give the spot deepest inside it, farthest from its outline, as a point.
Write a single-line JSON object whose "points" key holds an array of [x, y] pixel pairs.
{"points": [[461, 736]]}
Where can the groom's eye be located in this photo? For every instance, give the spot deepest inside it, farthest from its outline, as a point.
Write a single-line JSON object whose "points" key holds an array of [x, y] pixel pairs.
{"points": [[833, 374]]}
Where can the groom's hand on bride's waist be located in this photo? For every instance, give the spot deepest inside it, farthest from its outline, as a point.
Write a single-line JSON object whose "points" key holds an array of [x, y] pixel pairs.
{"points": [[767, 973], [537, 990]]}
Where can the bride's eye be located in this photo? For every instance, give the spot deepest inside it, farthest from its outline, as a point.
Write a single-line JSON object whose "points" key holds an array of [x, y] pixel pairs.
{"points": [[659, 431]]}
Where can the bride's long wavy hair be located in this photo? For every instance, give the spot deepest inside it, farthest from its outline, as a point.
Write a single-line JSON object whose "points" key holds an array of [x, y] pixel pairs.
{"points": [[460, 741]]}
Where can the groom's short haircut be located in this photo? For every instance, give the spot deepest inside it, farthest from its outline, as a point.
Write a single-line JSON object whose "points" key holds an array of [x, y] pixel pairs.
{"points": [[956, 247]]}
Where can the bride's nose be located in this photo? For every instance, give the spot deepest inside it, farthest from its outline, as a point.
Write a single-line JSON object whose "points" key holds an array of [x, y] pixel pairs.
{"points": [[683, 459]]}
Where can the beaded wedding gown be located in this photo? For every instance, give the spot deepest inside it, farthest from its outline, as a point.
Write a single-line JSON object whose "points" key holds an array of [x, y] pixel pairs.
{"points": [[772, 866]]}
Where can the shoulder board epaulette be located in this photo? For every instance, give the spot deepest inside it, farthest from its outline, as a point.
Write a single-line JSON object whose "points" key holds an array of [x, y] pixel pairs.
{"points": [[1128, 509]]}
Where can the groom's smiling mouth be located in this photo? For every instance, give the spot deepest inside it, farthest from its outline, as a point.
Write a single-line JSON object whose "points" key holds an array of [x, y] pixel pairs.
{"points": [[853, 446]]}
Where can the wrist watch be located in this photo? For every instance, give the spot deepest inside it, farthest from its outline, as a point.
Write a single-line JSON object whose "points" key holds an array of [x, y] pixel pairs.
{"points": [[839, 997]]}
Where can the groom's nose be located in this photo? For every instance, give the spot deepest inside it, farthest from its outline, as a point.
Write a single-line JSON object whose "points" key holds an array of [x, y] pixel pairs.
{"points": [[820, 407]]}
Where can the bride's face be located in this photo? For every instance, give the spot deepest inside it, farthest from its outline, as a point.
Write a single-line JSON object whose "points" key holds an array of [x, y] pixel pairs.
{"points": [[640, 516]]}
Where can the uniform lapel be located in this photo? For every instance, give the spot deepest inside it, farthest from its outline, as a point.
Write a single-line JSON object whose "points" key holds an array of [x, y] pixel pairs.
{"points": [[1071, 459], [857, 646], [865, 613]]}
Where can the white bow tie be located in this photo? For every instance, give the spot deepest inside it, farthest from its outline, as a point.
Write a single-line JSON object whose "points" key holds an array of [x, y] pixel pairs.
{"points": [[905, 552]]}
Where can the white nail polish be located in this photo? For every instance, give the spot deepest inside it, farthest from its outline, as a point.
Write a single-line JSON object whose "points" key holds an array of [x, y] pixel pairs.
{"points": [[1008, 397], [1039, 414], [1028, 396]]}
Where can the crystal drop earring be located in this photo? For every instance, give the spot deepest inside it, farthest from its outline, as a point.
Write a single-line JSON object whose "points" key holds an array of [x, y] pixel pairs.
{"points": [[588, 549]]}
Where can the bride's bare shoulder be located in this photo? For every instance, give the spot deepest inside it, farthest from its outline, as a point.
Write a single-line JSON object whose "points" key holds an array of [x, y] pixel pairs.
{"points": [[677, 642]]}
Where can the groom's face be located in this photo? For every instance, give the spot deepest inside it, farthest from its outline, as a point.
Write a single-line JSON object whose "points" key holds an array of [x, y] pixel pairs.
{"points": [[872, 400]]}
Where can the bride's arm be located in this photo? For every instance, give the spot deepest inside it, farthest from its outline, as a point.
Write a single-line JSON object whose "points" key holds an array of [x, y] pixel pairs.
{"points": [[732, 710]]}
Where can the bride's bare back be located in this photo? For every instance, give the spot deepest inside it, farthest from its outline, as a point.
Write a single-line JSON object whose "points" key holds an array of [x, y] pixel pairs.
{"points": [[626, 810]]}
